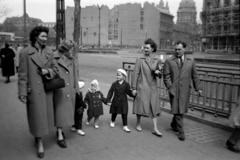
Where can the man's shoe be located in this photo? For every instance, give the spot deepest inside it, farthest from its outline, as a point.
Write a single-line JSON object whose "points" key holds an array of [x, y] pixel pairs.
{"points": [[62, 143], [232, 147], [174, 128], [181, 136]]}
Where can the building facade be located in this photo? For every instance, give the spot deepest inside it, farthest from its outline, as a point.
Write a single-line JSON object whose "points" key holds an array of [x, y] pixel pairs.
{"points": [[220, 28], [187, 13], [124, 25]]}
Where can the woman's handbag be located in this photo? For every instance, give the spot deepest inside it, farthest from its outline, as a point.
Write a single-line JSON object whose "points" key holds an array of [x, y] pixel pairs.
{"points": [[52, 84]]}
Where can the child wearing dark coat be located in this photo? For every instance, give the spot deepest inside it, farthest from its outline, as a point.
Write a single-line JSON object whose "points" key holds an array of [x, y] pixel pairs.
{"points": [[79, 110], [94, 99], [119, 104]]}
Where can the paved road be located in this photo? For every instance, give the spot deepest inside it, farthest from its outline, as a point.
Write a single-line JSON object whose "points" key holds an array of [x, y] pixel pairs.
{"points": [[16, 143]]}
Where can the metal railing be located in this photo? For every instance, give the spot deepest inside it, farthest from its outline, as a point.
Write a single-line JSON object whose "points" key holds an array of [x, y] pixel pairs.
{"points": [[221, 87]]}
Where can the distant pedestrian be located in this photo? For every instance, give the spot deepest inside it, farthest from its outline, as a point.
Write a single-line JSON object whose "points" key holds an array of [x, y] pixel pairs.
{"points": [[18, 50], [178, 73], [64, 98], [94, 99], [31, 89], [7, 62], [234, 121], [144, 85], [80, 106], [119, 103]]}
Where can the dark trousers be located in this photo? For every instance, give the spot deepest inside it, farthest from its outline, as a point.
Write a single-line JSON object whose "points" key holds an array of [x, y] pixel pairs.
{"points": [[78, 120], [177, 122], [124, 118], [235, 136]]}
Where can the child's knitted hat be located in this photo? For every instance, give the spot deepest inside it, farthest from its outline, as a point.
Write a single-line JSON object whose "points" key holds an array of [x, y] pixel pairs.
{"points": [[81, 84], [95, 84]]}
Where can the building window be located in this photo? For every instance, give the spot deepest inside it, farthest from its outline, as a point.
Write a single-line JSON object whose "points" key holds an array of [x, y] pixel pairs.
{"points": [[116, 32], [115, 37], [109, 31], [95, 33], [85, 33], [141, 19], [227, 3], [141, 13], [141, 26], [84, 18], [115, 25], [116, 20], [110, 37], [110, 26]]}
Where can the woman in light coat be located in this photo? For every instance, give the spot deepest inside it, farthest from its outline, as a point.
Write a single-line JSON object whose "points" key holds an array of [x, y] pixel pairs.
{"points": [[144, 85], [64, 98], [36, 61]]}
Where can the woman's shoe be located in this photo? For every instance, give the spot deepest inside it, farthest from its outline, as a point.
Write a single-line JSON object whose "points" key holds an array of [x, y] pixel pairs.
{"points": [[40, 154], [96, 126], [125, 128], [87, 123], [62, 143], [72, 128], [112, 124], [157, 134], [63, 135]]}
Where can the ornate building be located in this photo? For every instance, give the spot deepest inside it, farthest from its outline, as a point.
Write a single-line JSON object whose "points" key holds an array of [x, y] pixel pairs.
{"points": [[187, 12]]}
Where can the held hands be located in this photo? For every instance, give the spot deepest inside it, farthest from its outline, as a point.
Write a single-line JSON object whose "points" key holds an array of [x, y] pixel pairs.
{"points": [[23, 99], [157, 72], [134, 92]]}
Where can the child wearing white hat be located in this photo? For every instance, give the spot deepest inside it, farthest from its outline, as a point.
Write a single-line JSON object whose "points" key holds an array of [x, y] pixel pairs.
{"points": [[94, 99], [119, 103], [79, 110]]}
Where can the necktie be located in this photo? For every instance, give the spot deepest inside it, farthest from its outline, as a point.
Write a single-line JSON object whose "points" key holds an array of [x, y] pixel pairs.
{"points": [[181, 62]]}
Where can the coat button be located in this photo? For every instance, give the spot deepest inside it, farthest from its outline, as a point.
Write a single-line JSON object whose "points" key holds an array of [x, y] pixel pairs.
{"points": [[38, 82], [68, 95], [67, 72], [67, 84]]}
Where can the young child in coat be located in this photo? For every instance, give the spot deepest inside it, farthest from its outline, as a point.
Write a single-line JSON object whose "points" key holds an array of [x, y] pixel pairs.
{"points": [[94, 99], [119, 104], [79, 110]]}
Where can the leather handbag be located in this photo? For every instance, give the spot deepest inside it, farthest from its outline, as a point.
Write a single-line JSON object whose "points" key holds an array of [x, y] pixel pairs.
{"points": [[56, 83]]}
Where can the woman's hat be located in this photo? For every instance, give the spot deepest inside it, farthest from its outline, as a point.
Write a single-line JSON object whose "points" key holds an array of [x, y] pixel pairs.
{"points": [[123, 72], [81, 84], [66, 45]]}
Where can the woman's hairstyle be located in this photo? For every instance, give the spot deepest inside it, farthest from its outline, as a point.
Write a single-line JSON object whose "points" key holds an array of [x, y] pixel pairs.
{"points": [[182, 43], [66, 45], [35, 32], [152, 44]]}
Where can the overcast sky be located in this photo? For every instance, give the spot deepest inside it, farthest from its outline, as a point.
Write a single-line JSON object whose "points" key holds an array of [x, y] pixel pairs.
{"points": [[46, 9]]}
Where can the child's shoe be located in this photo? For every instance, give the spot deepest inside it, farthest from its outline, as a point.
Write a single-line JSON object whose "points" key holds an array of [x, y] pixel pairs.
{"points": [[73, 128], [79, 131], [87, 123], [112, 124], [125, 128], [96, 126]]}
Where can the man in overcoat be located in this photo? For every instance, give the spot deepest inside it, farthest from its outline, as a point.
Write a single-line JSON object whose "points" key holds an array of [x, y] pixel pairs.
{"points": [[179, 72]]}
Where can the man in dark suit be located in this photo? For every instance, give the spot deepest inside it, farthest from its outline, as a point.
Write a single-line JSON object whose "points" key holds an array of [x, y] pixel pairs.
{"points": [[178, 73]]}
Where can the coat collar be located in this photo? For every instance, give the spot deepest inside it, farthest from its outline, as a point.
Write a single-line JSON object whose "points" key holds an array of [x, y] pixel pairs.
{"points": [[40, 60], [60, 60], [186, 59]]}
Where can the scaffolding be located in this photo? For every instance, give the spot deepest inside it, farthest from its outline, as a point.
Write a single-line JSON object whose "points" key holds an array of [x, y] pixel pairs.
{"points": [[221, 25]]}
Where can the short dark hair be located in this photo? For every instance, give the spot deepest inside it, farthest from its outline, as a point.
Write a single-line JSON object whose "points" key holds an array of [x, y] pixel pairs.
{"points": [[36, 32], [152, 44], [182, 43]]}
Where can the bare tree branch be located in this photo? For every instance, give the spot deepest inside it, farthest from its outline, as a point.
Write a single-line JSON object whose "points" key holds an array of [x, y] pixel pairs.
{"points": [[4, 10]]}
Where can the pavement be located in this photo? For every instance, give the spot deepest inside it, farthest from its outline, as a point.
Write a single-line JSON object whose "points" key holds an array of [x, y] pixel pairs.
{"points": [[203, 142]]}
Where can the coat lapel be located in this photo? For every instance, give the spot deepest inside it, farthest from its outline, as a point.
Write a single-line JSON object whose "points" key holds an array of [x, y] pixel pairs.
{"points": [[46, 55], [35, 56], [150, 61], [60, 60]]}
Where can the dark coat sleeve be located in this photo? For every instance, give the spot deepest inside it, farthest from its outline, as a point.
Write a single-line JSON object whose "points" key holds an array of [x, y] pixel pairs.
{"points": [[86, 99], [110, 93], [104, 100], [129, 91]]}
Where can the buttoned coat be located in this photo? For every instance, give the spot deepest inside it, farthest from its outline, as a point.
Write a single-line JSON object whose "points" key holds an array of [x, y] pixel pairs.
{"points": [[94, 101], [39, 102], [178, 81], [7, 62], [146, 103], [119, 93], [64, 98]]}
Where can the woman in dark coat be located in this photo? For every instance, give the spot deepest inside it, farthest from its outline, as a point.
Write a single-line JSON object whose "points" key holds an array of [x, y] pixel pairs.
{"points": [[144, 85], [35, 62], [64, 98], [7, 62], [119, 104]]}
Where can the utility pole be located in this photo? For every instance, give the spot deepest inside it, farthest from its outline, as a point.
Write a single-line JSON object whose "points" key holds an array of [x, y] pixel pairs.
{"points": [[99, 29], [25, 22], [60, 21]]}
